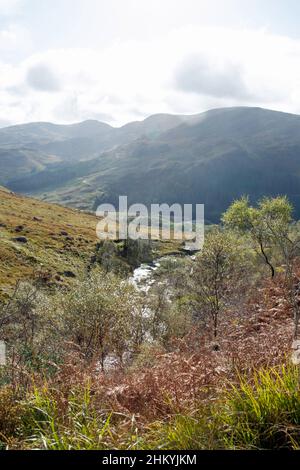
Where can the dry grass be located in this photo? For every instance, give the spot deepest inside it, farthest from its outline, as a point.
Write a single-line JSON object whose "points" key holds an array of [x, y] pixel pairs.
{"points": [[192, 372], [169, 404], [58, 240]]}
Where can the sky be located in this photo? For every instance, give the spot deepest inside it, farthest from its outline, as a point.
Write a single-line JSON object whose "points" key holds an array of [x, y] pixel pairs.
{"points": [[117, 61]]}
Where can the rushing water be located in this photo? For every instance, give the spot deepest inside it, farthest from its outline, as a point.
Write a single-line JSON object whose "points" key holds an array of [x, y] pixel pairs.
{"points": [[142, 276], [142, 279]]}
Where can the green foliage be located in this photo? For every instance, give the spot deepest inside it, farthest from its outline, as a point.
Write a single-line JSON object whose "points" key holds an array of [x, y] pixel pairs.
{"points": [[102, 315], [119, 256], [217, 275], [270, 219], [108, 255], [263, 413], [268, 223], [182, 432], [137, 251], [78, 426], [29, 325]]}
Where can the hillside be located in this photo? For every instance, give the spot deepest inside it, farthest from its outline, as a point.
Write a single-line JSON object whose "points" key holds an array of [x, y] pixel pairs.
{"points": [[42, 239], [34, 147], [210, 158], [39, 237]]}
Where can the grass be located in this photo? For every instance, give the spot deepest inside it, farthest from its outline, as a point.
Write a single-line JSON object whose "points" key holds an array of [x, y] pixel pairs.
{"points": [[58, 240], [259, 412], [263, 413], [52, 423], [79, 426], [181, 432]]}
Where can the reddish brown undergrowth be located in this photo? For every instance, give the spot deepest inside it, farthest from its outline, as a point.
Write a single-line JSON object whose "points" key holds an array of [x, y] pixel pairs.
{"points": [[195, 368]]}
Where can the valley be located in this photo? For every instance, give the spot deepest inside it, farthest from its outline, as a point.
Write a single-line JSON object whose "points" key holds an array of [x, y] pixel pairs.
{"points": [[211, 158], [190, 347]]}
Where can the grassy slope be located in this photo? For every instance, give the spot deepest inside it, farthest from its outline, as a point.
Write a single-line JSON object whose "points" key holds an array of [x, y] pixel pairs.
{"points": [[47, 248], [58, 239]]}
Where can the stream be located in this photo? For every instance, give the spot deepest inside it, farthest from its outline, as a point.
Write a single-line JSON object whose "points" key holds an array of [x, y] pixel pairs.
{"points": [[143, 278]]}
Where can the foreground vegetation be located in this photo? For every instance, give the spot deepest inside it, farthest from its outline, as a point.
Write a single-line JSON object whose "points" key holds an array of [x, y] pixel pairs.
{"points": [[198, 359]]}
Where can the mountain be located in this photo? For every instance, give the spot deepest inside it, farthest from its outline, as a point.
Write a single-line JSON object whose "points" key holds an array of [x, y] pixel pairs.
{"points": [[210, 158], [30, 148]]}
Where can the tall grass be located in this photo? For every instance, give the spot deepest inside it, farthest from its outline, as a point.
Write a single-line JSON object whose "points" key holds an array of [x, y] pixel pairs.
{"points": [[53, 423], [263, 413], [182, 432]]}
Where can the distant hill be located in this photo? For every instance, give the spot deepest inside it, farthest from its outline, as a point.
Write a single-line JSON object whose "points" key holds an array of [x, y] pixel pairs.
{"points": [[30, 148], [33, 147], [209, 158]]}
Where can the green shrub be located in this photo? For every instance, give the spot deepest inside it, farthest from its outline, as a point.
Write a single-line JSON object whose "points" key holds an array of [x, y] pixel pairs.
{"points": [[261, 413]]}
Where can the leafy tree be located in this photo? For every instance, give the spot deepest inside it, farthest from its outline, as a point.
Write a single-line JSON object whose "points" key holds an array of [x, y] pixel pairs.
{"points": [[137, 251], [101, 315], [216, 275], [270, 226], [28, 326], [268, 223], [108, 255]]}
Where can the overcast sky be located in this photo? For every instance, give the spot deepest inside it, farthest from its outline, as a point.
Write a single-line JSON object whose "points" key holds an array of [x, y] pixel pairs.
{"points": [[121, 60]]}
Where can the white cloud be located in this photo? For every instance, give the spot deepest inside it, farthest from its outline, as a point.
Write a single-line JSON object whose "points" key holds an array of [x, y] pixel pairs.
{"points": [[198, 75], [40, 77], [12, 37], [187, 71], [15, 42], [9, 7]]}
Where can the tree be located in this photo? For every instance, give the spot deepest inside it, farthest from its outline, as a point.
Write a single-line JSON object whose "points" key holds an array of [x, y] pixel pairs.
{"points": [[270, 227], [268, 223], [101, 315], [28, 325], [108, 255], [137, 251], [216, 275]]}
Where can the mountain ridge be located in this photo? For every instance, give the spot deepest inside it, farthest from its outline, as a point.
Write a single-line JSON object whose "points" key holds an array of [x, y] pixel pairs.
{"points": [[211, 158]]}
